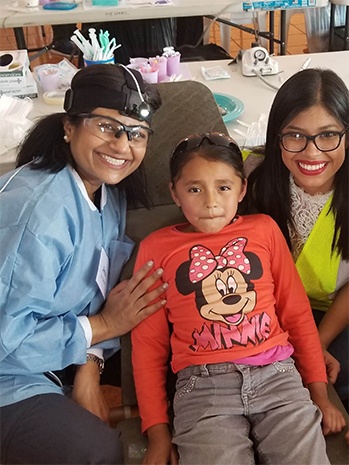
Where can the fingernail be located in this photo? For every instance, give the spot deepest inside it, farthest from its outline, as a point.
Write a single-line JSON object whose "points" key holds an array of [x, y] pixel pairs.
{"points": [[150, 263], [165, 286], [159, 271], [163, 302]]}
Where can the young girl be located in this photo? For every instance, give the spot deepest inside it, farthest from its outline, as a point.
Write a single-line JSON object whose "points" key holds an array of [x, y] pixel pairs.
{"points": [[238, 312]]}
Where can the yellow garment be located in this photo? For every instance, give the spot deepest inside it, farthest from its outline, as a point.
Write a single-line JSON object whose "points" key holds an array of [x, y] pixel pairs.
{"points": [[245, 153], [316, 264]]}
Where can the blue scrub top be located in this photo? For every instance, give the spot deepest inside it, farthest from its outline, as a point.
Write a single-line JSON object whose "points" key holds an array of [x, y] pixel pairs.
{"points": [[51, 238]]}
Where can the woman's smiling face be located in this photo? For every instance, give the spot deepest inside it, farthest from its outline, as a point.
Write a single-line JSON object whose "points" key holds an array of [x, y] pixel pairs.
{"points": [[314, 170], [98, 161]]}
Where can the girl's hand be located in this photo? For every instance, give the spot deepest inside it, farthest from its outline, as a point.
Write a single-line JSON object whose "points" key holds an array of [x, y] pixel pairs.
{"points": [[160, 450], [87, 391], [333, 420], [128, 304], [157, 455]]}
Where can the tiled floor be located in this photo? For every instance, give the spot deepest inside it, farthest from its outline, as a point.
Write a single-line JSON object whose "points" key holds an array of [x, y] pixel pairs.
{"points": [[296, 43]]}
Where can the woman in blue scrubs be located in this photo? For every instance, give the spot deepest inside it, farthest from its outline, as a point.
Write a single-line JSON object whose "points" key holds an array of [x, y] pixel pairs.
{"points": [[63, 247]]}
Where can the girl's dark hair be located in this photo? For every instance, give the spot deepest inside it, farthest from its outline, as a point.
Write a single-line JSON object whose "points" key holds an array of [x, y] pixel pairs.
{"points": [[269, 187], [228, 155], [45, 144]]}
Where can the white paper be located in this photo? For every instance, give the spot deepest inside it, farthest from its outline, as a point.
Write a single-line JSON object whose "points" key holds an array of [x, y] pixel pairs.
{"points": [[14, 123]]}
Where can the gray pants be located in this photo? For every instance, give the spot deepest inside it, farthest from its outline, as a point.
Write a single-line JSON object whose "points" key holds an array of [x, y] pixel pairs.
{"points": [[53, 429], [230, 414]]}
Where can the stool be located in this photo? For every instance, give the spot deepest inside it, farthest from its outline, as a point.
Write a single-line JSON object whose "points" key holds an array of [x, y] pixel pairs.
{"points": [[332, 24]]}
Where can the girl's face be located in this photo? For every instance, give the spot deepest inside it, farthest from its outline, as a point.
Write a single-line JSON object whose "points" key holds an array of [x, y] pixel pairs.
{"points": [[208, 193], [99, 161], [314, 170]]}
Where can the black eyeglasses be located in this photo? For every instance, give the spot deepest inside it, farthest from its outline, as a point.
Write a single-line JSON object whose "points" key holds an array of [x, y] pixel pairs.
{"points": [[107, 129], [194, 141], [324, 141]]}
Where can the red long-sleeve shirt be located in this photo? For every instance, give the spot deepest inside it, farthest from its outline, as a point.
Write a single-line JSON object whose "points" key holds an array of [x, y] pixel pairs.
{"points": [[231, 294]]}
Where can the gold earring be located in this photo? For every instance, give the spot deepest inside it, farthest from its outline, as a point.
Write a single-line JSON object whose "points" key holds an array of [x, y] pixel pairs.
{"points": [[66, 138]]}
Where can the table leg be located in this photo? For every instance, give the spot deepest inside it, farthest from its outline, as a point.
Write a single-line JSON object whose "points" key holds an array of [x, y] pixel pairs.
{"points": [[346, 31], [283, 32], [271, 30], [331, 35], [20, 40]]}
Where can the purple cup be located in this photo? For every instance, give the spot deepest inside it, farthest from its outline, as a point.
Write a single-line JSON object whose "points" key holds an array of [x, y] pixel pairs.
{"points": [[173, 64], [161, 63]]}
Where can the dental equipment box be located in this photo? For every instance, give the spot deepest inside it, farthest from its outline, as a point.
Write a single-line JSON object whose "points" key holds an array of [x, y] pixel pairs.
{"points": [[28, 89], [256, 60], [16, 79], [13, 64]]}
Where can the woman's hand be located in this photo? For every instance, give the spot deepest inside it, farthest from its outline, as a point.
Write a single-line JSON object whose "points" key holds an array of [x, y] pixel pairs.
{"points": [[332, 366], [160, 450], [87, 391], [128, 304]]}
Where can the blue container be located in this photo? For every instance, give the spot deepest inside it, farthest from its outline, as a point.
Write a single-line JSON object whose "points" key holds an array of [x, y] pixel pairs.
{"points": [[105, 2], [111, 61]]}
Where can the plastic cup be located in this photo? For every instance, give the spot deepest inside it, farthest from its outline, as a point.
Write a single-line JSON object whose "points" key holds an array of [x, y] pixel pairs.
{"points": [[150, 76], [49, 78], [139, 61], [110, 61], [173, 64], [161, 63]]}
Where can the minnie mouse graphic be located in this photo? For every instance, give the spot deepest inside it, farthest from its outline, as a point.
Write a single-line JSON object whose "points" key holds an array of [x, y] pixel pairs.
{"points": [[222, 284]]}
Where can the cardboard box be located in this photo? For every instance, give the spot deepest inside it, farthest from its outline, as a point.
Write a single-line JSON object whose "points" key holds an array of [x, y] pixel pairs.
{"points": [[14, 66], [14, 80], [13, 63], [29, 89]]}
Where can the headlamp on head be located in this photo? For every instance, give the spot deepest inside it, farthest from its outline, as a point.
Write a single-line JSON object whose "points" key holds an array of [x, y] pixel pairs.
{"points": [[135, 105], [129, 100]]}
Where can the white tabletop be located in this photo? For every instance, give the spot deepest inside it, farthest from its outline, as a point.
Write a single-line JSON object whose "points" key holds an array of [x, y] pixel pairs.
{"points": [[256, 96], [84, 14]]}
